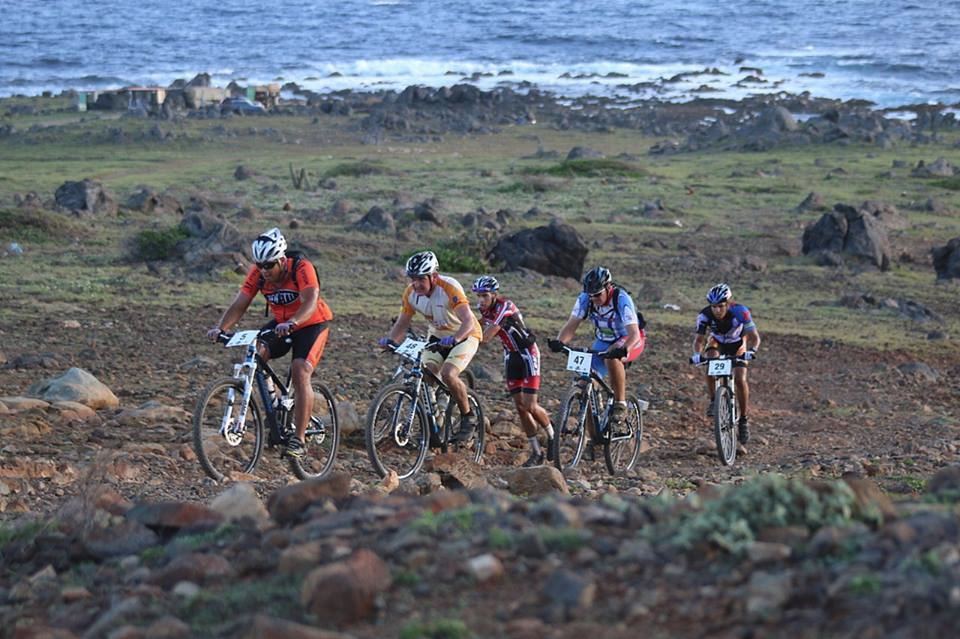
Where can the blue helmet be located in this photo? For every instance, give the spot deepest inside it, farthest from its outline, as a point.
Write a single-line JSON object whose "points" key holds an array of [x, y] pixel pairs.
{"points": [[719, 294], [486, 284]]}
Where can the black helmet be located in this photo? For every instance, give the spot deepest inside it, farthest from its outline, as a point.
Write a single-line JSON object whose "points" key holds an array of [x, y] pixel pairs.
{"points": [[596, 280]]}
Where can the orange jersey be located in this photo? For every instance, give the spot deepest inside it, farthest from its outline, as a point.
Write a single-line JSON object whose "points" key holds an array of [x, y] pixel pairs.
{"points": [[284, 298], [439, 307]]}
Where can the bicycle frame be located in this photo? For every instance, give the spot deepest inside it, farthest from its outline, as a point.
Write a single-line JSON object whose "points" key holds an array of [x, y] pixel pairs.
{"points": [[414, 372], [253, 371]]}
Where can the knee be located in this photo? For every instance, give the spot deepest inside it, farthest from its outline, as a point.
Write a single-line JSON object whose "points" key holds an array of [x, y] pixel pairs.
{"points": [[301, 369]]}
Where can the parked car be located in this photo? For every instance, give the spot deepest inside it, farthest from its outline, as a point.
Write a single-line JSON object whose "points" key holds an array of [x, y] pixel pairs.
{"points": [[241, 105]]}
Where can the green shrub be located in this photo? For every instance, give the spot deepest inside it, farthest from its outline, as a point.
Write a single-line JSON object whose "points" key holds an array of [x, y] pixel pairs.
{"points": [[36, 225], [453, 258], [535, 184], [439, 629], [357, 169], [152, 245], [732, 520], [951, 183], [592, 167]]}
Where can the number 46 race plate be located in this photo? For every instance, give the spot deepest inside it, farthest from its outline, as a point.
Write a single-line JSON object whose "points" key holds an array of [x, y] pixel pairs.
{"points": [[579, 362], [719, 367]]}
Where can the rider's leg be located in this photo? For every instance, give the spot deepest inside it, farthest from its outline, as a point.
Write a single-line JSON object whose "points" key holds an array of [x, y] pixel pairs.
{"points": [[618, 379], [711, 386], [300, 371], [743, 390], [450, 375]]}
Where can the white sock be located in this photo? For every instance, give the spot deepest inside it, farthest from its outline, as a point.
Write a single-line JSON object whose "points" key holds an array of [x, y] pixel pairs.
{"points": [[534, 445], [550, 430]]}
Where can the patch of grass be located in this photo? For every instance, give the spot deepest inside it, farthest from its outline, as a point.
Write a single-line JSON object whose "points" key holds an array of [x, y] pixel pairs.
{"points": [[36, 226], [406, 578], [534, 184], [280, 594], [452, 258], [439, 629], [12, 531], [864, 584], [154, 245], [950, 183], [563, 539], [499, 539], [356, 169], [592, 168]]}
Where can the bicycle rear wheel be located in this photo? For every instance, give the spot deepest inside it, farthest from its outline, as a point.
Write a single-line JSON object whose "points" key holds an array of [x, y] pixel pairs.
{"points": [[622, 446], [451, 425], [570, 429], [724, 428], [322, 437], [224, 446], [396, 434]]}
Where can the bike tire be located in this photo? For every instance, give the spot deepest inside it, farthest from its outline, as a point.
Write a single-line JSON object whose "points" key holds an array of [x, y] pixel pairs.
{"points": [[724, 425], [322, 438], [570, 429], [222, 457], [387, 448], [621, 453], [474, 445]]}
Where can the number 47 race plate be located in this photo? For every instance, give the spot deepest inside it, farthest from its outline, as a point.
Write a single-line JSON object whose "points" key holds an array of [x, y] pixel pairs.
{"points": [[719, 367], [579, 362]]}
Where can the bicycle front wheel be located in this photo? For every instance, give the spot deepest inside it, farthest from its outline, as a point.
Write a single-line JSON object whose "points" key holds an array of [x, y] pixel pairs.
{"points": [[451, 420], [396, 433], [224, 445], [570, 429], [622, 447], [322, 438], [724, 428]]}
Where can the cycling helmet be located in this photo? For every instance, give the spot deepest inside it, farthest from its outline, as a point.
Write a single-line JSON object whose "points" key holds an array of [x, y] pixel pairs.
{"points": [[269, 246], [486, 284], [596, 280], [422, 263], [719, 293]]}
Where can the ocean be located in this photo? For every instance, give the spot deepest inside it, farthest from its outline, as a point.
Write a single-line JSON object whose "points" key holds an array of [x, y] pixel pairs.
{"points": [[892, 53]]}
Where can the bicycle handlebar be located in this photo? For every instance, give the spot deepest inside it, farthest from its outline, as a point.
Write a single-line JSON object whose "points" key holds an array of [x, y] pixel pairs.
{"points": [[225, 337], [566, 348]]}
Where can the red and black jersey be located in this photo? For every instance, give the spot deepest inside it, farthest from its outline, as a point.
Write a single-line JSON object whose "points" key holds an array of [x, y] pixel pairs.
{"points": [[514, 334]]}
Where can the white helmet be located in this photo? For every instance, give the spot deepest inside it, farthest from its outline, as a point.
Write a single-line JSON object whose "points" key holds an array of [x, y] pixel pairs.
{"points": [[269, 246], [719, 294], [423, 263]]}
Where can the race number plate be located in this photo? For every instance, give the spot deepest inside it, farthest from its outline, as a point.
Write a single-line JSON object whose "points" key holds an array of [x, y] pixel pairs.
{"points": [[719, 367], [243, 338], [410, 348], [579, 362]]}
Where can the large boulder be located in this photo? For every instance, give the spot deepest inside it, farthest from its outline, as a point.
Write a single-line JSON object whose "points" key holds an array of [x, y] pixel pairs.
{"points": [[86, 197], [556, 249], [946, 260], [76, 385], [148, 200], [377, 220], [213, 241], [850, 231]]}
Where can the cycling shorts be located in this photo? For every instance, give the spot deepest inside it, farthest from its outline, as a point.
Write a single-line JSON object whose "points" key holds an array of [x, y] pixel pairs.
{"points": [[307, 342], [600, 365], [730, 349], [522, 370], [459, 356]]}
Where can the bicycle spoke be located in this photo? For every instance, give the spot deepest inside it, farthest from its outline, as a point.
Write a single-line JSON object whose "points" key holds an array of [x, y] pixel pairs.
{"points": [[225, 447]]}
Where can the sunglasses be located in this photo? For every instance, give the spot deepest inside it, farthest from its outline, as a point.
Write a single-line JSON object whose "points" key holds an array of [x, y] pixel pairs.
{"points": [[266, 266], [595, 294]]}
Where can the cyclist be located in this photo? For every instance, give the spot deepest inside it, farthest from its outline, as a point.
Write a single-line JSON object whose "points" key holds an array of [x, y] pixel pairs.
{"points": [[441, 300], [293, 295], [731, 332], [619, 332], [521, 360]]}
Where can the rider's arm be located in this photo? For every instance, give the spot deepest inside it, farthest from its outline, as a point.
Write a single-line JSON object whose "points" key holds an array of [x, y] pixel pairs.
{"points": [[569, 329], [699, 341], [468, 322], [308, 305], [490, 332], [633, 336], [751, 339], [400, 326], [235, 311]]}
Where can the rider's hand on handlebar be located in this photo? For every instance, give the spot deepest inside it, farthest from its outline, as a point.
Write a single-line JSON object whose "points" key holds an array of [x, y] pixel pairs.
{"points": [[447, 341], [750, 354], [696, 358], [284, 328], [213, 333], [555, 345], [614, 352], [385, 342]]}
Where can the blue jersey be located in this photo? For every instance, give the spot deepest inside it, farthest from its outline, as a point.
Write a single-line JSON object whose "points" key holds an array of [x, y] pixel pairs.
{"points": [[730, 329], [611, 321]]}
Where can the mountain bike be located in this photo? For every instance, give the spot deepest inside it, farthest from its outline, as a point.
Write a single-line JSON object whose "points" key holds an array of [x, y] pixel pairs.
{"points": [[235, 415], [403, 415], [726, 412], [587, 407]]}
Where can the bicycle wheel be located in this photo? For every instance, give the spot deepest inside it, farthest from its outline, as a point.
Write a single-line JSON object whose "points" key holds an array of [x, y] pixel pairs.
{"points": [[396, 435], [451, 425], [225, 447], [622, 447], [322, 437], [724, 428], [570, 429]]}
